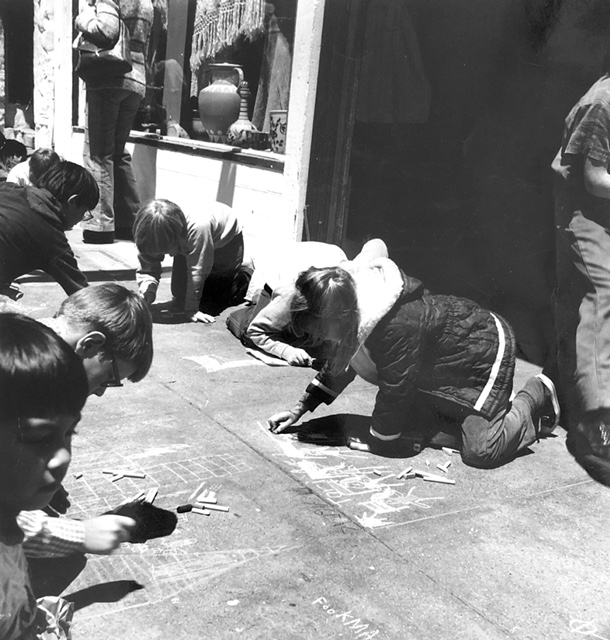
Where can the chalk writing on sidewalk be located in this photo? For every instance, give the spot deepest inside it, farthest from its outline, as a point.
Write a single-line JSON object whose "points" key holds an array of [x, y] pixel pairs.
{"points": [[333, 473], [361, 629]]}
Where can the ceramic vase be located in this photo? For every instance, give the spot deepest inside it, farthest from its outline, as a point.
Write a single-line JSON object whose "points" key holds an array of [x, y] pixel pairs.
{"points": [[219, 102], [278, 123], [240, 132]]}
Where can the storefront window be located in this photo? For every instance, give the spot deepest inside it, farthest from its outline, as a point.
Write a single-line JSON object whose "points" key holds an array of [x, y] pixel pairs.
{"points": [[214, 62]]}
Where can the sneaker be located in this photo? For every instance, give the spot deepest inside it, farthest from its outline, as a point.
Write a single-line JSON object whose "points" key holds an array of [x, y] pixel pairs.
{"points": [[551, 413], [589, 443]]}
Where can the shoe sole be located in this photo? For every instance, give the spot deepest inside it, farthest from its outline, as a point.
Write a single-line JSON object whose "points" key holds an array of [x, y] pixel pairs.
{"points": [[548, 383]]}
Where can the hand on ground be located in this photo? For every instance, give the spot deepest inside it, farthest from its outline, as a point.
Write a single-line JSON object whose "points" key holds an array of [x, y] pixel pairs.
{"points": [[299, 358], [199, 316], [282, 420], [106, 533]]}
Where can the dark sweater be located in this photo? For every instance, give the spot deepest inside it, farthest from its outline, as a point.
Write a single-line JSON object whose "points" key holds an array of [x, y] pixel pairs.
{"points": [[32, 237]]}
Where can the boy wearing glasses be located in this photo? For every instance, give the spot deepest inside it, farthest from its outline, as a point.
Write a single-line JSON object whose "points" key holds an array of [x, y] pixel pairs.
{"points": [[110, 328]]}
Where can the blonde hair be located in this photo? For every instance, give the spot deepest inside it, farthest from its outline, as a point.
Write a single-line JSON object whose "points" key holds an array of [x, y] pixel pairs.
{"points": [[158, 226], [324, 295]]}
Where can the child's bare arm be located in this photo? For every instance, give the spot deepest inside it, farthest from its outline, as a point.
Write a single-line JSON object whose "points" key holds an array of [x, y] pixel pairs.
{"points": [[597, 178]]}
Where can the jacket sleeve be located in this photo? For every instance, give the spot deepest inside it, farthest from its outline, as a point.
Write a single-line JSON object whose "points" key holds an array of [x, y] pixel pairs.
{"points": [[99, 23], [324, 388], [64, 270], [148, 275], [45, 536], [396, 347], [199, 263], [266, 327]]}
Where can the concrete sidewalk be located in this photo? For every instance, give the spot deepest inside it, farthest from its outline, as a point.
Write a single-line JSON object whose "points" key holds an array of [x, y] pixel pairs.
{"points": [[319, 541]]}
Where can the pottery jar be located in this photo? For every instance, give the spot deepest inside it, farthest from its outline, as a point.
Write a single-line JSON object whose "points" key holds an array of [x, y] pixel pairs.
{"points": [[219, 102]]}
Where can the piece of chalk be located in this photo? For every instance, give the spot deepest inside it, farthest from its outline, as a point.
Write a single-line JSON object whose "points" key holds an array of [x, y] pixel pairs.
{"points": [[377, 472], [213, 507], [207, 496], [409, 475], [438, 479], [404, 473], [111, 472], [201, 512], [427, 463], [78, 476], [119, 476], [139, 496], [133, 474], [150, 496], [444, 467], [419, 473], [184, 508], [449, 451]]}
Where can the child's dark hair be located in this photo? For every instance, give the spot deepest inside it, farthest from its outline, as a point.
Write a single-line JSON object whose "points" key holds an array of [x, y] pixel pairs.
{"points": [[40, 162], [65, 179], [324, 295], [40, 374], [158, 225], [121, 315], [13, 149]]}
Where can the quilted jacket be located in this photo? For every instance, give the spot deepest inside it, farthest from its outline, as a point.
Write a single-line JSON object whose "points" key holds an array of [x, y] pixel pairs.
{"points": [[413, 342]]}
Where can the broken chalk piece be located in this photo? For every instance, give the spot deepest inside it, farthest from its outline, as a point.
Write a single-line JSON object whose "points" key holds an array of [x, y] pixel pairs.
{"points": [[139, 496], [213, 507], [201, 512], [444, 467], [111, 472], [150, 496], [410, 475], [449, 451], [438, 479], [419, 473], [184, 508], [133, 474], [118, 476], [207, 496], [377, 472], [78, 475], [404, 473]]}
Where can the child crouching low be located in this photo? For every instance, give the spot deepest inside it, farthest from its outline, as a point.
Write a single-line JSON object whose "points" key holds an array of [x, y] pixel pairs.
{"points": [[433, 357], [43, 388]]}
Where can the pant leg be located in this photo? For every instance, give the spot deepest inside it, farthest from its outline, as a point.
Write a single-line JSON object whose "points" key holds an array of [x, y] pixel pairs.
{"points": [[126, 196], [590, 250], [492, 443], [98, 154]]}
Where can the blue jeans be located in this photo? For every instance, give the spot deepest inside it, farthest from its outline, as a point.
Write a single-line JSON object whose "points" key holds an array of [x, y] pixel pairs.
{"points": [[110, 117]]}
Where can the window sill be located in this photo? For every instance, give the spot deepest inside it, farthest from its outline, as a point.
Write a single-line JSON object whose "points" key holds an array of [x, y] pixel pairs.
{"points": [[251, 157]]}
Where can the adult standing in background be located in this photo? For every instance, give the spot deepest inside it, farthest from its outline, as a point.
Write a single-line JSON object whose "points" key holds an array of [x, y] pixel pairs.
{"points": [[582, 216], [112, 105]]}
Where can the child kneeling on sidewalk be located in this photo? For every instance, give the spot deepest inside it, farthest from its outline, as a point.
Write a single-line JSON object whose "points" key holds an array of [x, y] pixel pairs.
{"points": [[437, 356]]}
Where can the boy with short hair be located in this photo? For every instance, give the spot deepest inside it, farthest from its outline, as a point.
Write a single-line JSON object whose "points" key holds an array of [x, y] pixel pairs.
{"points": [[43, 389], [33, 221], [208, 248], [107, 325]]}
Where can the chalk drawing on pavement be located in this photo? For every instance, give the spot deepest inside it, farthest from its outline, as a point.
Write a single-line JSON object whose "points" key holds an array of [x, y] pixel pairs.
{"points": [[165, 572], [95, 492], [218, 363], [333, 472]]}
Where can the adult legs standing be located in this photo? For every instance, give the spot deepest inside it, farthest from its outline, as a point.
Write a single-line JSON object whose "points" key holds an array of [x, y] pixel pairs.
{"points": [[583, 327], [110, 116]]}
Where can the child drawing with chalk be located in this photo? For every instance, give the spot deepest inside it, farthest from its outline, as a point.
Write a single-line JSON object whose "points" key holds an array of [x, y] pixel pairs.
{"points": [[43, 388], [434, 358]]}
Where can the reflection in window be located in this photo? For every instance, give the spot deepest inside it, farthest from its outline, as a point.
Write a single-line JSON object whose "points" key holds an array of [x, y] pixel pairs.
{"points": [[212, 63]]}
